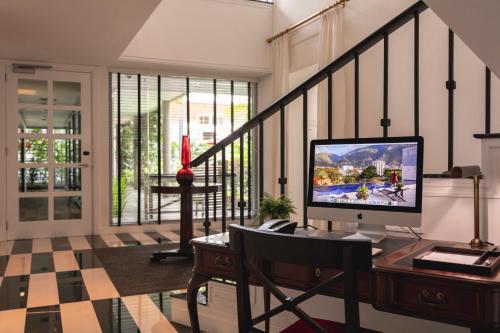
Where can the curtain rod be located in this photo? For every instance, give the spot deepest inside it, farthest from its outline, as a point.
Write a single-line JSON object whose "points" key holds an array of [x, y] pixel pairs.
{"points": [[306, 20]]}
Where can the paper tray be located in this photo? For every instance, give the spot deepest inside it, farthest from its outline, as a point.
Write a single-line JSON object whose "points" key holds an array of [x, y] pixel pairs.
{"points": [[470, 261]]}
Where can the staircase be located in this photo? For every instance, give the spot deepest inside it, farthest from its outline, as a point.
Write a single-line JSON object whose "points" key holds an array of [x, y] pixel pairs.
{"points": [[255, 126]]}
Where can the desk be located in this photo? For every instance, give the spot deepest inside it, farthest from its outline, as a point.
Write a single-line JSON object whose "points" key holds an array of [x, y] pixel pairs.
{"points": [[394, 285]]}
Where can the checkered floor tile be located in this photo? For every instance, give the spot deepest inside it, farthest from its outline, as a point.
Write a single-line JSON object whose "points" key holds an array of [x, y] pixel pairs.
{"points": [[56, 285]]}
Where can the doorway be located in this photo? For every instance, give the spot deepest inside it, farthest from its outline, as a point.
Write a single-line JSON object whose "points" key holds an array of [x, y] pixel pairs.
{"points": [[48, 154]]}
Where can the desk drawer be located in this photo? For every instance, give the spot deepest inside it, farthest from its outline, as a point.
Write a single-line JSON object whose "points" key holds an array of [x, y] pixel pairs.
{"points": [[443, 300], [218, 263]]}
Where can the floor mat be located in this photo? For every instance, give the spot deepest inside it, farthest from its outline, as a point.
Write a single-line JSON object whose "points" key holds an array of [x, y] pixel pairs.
{"points": [[132, 272]]}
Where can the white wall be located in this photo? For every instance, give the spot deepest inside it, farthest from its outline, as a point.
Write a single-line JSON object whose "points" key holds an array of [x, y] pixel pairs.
{"points": [[218, 35]]}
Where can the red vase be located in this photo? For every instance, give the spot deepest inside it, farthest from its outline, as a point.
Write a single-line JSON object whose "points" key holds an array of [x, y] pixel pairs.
{"points": [[185, 176]]}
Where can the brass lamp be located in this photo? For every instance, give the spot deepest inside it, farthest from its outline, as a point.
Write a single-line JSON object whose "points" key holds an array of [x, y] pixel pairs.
{"points": [[473, 172]]}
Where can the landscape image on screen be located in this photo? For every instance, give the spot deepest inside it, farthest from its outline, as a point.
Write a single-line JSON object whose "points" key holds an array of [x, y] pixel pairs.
{"points": [[379, 174]]}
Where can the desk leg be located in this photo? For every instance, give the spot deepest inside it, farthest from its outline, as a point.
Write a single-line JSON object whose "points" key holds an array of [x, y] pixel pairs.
{"points": [[194, 285]]}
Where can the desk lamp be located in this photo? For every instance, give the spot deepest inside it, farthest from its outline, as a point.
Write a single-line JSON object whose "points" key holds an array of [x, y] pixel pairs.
{"points": [[473, 172]]}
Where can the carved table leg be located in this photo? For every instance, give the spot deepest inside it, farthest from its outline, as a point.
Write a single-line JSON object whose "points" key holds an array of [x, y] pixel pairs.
{"points": [[194, 285]]}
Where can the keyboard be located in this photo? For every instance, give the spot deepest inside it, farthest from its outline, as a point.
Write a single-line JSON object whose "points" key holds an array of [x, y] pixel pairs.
{"points": [[376, 251]]}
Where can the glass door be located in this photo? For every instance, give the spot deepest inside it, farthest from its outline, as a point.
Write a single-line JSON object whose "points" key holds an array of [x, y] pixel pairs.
{"points": [[48, 115]]}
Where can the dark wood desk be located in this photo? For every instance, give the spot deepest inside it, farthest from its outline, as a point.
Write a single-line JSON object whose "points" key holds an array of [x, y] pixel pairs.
{"points": [[394, 286], [185, 250]]}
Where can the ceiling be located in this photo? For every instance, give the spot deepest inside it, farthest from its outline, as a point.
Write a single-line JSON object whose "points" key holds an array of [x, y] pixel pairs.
{"points": [[476, 23], [88, 32]]}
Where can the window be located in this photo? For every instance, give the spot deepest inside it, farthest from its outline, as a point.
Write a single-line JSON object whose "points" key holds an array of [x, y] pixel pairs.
{"points": [[204, 120], [149, 115]]}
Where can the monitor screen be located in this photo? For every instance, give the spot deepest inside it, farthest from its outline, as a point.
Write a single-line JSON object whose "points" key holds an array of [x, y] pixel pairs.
{"points": [[382, 174]]}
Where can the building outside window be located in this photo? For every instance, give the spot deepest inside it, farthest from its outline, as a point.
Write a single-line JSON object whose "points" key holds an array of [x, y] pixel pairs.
{"points": [[149, 115]]}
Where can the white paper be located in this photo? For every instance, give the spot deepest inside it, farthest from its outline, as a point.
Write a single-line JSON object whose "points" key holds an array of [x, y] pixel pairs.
{"points": [[451, 258]]}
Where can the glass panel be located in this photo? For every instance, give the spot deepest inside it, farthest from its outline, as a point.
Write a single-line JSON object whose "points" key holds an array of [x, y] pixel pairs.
{"points": [[32, 150], [66, 122], [67, 93], [67, 208], [67, 151], [68, 179], [33, 179], [33, 209], [32, 91], [201, 128], [32, 121]]}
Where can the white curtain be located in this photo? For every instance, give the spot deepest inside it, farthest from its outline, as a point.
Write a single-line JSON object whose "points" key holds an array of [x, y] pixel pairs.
{"points": [[331, 45], [281, 73]]}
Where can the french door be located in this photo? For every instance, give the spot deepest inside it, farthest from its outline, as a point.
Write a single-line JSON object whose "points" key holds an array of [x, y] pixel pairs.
{"points": [[48, 154]]}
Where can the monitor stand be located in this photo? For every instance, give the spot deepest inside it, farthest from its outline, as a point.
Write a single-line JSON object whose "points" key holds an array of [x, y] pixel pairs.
{"points": [[373, 232]]}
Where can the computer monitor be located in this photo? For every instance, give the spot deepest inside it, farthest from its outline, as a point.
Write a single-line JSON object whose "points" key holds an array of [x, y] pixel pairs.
{"points": [[372, 181]]}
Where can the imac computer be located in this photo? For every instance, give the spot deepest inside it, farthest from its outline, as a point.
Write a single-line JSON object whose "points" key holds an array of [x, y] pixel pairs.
{"points": [[374, 182]]}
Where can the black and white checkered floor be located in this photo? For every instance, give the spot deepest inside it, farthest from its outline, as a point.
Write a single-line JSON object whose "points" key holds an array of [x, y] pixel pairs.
{"points": [[59, 285]]}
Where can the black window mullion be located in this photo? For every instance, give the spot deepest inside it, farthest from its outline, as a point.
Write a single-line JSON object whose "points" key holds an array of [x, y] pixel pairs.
{"points": [[158, 142], [233, 198], [304, 156], [188, 107], [241, 203], [215, 142], [139, 143], [118, 153]]}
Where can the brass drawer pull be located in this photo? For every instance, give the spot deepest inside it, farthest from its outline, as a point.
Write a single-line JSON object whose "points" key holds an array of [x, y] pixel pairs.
{"points": [[223, 262], [425, 297], [318, 272]]}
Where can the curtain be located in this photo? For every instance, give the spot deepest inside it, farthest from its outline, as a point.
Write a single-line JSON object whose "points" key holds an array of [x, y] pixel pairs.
{"points": [[331, 45], [281, 73]]}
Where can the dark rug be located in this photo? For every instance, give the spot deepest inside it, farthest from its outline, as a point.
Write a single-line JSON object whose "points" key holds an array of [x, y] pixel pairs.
{"points": [[132, 272]]}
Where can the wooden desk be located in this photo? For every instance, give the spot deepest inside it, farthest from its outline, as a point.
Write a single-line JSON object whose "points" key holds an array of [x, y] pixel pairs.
{"points": [[394, 286]]}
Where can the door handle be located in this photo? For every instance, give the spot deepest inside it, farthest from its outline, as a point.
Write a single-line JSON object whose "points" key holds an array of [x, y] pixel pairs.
{"points": [[83, 165]]}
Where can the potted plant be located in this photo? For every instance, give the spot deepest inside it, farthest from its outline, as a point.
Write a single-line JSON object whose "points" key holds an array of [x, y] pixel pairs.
{"points": [[399, 186], [275, 208], [362, 192]]}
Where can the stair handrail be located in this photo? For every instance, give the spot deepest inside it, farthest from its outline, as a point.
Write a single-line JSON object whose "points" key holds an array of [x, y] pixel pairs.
{"points": [[329, 69]]}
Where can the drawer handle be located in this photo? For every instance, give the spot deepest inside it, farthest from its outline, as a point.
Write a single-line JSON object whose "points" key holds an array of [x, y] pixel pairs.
{"points": [[224, 262], [439, 299], [318, 272]]}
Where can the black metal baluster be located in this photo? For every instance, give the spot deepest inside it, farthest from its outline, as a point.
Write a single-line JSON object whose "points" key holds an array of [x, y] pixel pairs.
{"points": [[451, 86], [487, 102], [330, 127], [206, 224], [356, 95], [330, 105], [304, 155], [188, 107], [249, 154], [282, 179], [416, 73], [224, 189], [158, 142], [241, 203], [385, 122], [233, 198], [119, 152], [215, 142], [261, 160], [139, 149]]}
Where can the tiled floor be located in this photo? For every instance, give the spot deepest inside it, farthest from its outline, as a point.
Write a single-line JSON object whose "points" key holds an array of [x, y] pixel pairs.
{"points": [[59, 285]]}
